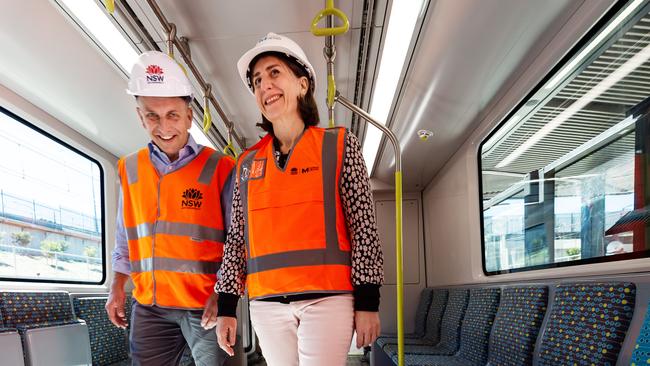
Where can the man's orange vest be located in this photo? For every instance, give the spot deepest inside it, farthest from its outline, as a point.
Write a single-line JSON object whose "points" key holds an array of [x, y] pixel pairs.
{"points": [[297, 238], [174, 227]]}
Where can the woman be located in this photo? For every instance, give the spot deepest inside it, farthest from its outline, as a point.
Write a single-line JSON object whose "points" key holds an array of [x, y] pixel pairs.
{"points": [[303, 236]]}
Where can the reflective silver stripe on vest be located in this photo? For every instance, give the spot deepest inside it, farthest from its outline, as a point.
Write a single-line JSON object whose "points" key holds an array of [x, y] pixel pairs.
{"points": [[310, 257], [175, 228], [131, 164], [209, 168], [175, 265]]}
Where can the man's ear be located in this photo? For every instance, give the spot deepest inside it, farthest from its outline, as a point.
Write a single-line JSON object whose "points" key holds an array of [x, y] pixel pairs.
{"points": [[190, 115]]}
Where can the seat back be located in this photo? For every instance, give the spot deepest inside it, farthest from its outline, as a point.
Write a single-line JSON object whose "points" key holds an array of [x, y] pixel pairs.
{"points": [[434, 315], [477, 323], [516, 325], [587, 323], [24, 308], [641, 354], [451, 320], [108, 343], [422, 311]]}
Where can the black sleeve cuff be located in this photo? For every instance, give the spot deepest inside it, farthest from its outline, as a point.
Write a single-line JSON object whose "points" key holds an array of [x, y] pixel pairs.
{"points": [[366, 297], [227, 305]]}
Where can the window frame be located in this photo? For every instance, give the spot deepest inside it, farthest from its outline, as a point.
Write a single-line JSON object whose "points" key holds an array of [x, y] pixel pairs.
{"points": [[102, 194], [591, 34]]}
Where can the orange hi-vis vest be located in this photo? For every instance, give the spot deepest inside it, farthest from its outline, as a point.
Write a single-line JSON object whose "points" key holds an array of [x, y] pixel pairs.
{"points": [[174, 227], [296, 235]]}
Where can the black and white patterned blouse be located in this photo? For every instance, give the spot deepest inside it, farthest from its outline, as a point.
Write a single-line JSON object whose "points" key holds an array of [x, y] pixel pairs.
{"points": [[367, 257]]}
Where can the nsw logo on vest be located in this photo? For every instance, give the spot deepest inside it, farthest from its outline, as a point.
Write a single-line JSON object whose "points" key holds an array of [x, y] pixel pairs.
{"points": [[155, 74], [192, 199]]}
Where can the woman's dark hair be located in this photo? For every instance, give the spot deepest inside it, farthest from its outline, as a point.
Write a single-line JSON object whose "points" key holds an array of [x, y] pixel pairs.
{"points": [[306, 105]]}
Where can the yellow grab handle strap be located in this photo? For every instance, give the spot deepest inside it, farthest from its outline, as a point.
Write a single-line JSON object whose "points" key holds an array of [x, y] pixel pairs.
{"points": [[331, 93], [334, 31], [110, 5]]}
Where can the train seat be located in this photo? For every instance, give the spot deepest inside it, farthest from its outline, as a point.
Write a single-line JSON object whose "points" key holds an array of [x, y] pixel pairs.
{"points": [[11, 347], [449, 332], [45, 321], [108, 343], [641, 354], [516, 325], [587, 321], [430, 322], [474, 334], [420, 319]]}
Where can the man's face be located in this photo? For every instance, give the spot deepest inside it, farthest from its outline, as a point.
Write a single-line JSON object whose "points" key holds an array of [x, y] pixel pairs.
{"points": [[167, 120]]}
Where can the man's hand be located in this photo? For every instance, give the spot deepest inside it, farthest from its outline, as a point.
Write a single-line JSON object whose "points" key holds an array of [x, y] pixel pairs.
{"points": [[209, 319], [115, 303], [226, 332], [366, 324]]}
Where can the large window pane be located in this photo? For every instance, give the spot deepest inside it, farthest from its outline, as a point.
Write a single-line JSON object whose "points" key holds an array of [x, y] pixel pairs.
{"points": [[50, 208], [570, 164]]}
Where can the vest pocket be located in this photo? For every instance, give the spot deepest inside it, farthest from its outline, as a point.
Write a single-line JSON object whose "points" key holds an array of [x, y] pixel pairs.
{"points": [[287, 221]]}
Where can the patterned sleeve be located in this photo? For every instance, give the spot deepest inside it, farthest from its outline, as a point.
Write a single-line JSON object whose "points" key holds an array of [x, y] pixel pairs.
{"points": [[232, 274], [367, 256]]}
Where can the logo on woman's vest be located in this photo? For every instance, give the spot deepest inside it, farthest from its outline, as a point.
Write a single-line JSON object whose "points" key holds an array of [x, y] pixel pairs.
{"points": [[253, 169], [192, 199]]}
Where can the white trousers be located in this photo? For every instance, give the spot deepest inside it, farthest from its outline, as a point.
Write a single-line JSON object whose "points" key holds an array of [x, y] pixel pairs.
{"points": [[305, 333]]}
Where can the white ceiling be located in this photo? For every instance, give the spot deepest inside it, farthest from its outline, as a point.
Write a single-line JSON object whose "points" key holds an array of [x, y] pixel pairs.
{"points": [[467, 54]]}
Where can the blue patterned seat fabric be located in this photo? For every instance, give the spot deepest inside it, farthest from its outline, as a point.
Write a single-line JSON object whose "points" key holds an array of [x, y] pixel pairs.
{"points": [[449, 331], [641, 354], [587, 324], [516, 326], [22, 310], [474, 337], [420, 316], [107, 342], [433, 318]]}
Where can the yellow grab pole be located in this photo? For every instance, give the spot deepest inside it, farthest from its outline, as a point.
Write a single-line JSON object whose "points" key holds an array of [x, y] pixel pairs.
{"points": [[400, 274], [398, 218]]}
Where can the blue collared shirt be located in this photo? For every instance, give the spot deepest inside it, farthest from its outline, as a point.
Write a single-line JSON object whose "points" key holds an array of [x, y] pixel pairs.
{"points": [[164, 166]]}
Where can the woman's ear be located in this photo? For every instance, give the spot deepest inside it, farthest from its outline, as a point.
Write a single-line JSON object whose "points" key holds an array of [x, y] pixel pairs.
{"points": [[304, 86]]}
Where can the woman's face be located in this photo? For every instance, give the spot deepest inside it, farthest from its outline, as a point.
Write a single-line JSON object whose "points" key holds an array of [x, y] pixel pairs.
{"points": [[277, 88]]}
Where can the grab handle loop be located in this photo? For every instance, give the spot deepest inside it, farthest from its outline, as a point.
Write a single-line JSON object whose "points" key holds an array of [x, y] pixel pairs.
{"points": [[170, 45], [207, 116], [332, 31], [110, 6], [229, 149]]}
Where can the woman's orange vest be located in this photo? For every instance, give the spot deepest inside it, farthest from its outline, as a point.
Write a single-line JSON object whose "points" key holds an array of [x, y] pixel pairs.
{"points": [[296, 235], [174, 227]]}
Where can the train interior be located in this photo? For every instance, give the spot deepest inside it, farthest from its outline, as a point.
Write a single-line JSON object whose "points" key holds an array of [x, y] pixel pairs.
{"points": [[524, 142]]}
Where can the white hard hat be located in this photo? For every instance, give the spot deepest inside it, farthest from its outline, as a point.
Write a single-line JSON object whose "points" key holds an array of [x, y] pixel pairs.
{"points": [[274, 43], [155, 74]]}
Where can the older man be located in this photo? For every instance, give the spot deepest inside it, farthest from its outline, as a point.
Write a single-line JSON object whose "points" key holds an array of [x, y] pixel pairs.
{"points": [[174, 206]]}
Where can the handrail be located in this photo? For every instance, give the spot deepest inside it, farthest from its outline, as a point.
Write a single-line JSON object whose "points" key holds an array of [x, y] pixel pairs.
{"points": [[330, 31], [398, 218], [167, 27]]}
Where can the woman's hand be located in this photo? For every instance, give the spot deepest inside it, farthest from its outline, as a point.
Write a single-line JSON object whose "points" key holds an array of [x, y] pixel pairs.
{"points": [[226, 332], [366, 324]]}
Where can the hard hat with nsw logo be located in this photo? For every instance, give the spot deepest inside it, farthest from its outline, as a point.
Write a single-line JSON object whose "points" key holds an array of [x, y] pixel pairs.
{"points": [[274, 43], [155, 74]]}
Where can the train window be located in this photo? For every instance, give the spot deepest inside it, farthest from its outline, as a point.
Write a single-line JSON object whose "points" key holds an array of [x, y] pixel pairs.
{"points": [[565, 179], [50, 208]]}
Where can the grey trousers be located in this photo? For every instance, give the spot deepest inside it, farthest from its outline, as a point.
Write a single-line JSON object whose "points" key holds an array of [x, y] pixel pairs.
{"points": [[159, 335]]}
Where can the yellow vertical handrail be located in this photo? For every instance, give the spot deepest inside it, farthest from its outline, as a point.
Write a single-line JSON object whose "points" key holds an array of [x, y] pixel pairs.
{"points": [[398, 218]]}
